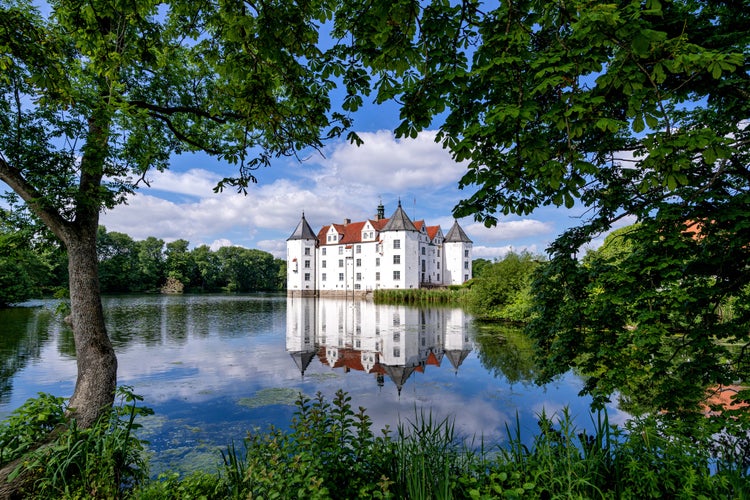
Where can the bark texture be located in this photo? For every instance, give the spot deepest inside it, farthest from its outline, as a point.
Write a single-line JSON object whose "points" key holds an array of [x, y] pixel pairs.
{"points": [[97, 363]]}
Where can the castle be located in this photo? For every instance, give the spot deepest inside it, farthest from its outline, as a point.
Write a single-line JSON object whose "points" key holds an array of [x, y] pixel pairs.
{"points": [[381, 253]]}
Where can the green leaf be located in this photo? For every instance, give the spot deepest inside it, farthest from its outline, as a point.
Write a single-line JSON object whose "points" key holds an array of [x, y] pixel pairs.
{"points": [[638, 124]]}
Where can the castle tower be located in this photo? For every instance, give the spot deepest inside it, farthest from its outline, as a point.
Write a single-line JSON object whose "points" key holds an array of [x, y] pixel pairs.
{"points": [[457, 250], [400, 252], [300, 260]]}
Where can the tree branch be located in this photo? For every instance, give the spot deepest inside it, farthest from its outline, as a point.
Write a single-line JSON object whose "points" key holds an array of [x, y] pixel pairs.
{"points": [[161, 111], [17, 182]]}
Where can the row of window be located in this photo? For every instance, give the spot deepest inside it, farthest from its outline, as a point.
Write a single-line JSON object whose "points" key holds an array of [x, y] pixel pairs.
{"points": [[358, 276], [358, 263], [358, 249], [396, 277]]}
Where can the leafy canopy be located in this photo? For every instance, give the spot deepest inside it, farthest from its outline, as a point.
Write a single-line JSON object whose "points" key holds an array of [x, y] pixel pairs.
{"points": [[98, 93], [632, 109]]}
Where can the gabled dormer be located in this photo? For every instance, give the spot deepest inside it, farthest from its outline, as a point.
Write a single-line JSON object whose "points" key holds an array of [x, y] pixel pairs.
{"points": [[333, 236], [369, 233], [435, 235]]}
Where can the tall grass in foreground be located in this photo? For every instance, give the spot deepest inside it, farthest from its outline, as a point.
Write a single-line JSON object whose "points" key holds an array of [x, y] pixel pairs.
{"points": [[332, 452]]}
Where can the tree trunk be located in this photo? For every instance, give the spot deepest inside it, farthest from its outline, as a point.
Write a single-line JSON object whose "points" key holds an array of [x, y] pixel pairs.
{"points": [[97, 363]]}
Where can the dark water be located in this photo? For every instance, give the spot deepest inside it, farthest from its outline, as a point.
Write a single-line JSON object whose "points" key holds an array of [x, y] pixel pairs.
{"points": [[215, 366]]}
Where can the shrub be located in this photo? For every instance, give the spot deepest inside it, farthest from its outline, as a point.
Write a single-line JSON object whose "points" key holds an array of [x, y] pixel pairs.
{"points": [[329, 444], [29, 425], [102, 461]]}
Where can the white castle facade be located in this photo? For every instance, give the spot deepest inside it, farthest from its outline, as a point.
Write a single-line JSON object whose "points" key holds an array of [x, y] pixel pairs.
{"points": [[381, 253]]}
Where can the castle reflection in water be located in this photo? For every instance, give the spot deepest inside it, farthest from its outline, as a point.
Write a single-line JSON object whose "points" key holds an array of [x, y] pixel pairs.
{"points": [[386, 341]]}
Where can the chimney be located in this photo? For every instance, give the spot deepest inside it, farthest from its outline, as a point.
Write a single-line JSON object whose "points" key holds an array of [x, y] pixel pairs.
{"points": [[347, 221]]}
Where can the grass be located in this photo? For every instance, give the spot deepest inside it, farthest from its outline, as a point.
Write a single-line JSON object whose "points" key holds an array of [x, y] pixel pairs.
{"points": [[454, 295], [332, 452]]}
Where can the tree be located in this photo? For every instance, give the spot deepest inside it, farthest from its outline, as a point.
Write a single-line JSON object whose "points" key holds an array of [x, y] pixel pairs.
{"points": [[100, 92], [208, 267], [118, 261], [502, 291], [179, 263], [247, 270], [20, 270], [629, 108], [479, 266], [29, 261], [151, 263]]}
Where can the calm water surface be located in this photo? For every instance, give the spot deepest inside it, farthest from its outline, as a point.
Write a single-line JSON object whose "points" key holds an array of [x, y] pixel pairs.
{"points": [[215, 366]]}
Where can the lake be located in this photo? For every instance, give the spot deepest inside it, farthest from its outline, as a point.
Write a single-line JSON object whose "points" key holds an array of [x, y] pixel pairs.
{"points": [[215, 366]]}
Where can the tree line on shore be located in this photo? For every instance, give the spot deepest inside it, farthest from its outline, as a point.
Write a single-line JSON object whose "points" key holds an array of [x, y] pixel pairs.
{"points": [[32, 265]]}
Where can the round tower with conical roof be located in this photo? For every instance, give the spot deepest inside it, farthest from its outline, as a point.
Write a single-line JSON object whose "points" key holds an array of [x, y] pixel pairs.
{"points": [[300, 261], [399, 243], [457, 248]]}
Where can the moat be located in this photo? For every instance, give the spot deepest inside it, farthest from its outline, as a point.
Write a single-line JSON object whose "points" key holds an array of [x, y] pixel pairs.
{"points": [[216, 366]]}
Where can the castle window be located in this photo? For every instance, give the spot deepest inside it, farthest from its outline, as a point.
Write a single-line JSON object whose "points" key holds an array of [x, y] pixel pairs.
{"points": [[466, 277], [323, 251], [359, 262], [323, 263], [341, 250], [438, 277], [396, 243], [466, 254], [307, 251], [359, 276], [377, 276], [466, 264], [397, 259], [377, 261], [358, 249], [396, 275], [307, 276], [323, 277], [307, 264], [341, 262], [341, 276]]}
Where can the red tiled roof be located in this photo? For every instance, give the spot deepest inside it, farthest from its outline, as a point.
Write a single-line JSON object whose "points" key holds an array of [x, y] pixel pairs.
{"points": [[322, 355], [352, 232], [432, 231], [432, 359], [722, 395], [378, 368]]}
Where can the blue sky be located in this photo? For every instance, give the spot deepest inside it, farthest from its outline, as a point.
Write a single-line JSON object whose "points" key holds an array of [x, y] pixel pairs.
{"points": [[345, 182]]}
